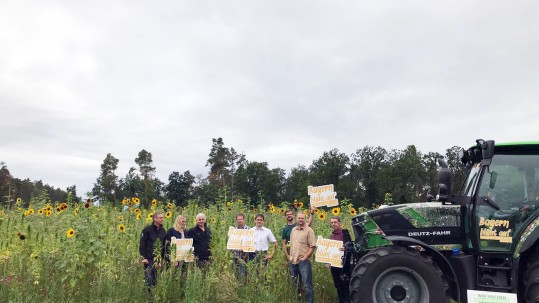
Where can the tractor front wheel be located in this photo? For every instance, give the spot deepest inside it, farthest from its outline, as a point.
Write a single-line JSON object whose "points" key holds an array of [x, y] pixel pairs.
{"points": [[398, 274], [531, 278]]}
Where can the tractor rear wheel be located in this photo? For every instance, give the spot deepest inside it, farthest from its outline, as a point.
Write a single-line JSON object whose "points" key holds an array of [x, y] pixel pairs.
{"points": [[531, 279], [398, 274]]}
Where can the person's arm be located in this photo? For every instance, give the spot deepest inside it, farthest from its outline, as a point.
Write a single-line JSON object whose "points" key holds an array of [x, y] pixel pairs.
{"points": [[311, 217], [272, 249], [142, 247], [286, 255], [308, 254]]}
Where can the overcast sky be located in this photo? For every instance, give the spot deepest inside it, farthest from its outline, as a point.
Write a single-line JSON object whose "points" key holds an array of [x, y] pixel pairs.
{"points": [[281, 81]]}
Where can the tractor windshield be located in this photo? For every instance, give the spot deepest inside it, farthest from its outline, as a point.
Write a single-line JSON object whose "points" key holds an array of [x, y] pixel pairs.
{"points": [[511, 182]]}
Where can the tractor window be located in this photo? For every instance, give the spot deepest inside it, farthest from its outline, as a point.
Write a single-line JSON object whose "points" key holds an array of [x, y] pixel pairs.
{"points": [[511, 181]]}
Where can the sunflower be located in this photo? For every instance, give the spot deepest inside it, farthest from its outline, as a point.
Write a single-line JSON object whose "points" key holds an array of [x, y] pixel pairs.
{"points": [[31, 211], [272, 209], [136, 200], [137, 210], [229, 204], [229, 208], [300, 204], [26, 213], [124, 201], [19, 200], [40, 212], [1, 212], [120, 218], [139, 216], [48, 213], [87, 205], [170, 205], [154, 202], [353, 211], [168, 215], [150, 216], [70, 232], [76, 211], [213, 220], [316, 210], [255, 210], [335, 211], [321, 216], [121, 228], [280, 211]]}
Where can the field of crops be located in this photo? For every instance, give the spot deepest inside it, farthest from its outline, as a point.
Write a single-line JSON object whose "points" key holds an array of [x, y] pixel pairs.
{"points": [[69, 252]]}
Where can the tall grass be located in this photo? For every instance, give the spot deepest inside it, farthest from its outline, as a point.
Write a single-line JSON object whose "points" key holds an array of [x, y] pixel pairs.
{"points": [[42, 260]]}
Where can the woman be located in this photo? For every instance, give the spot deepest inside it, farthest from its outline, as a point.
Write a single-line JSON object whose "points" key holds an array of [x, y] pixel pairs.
{"points": [[178, 231]]}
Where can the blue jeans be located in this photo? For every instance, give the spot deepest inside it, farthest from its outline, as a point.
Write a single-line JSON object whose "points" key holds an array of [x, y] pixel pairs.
{"points": [[304, 271]]}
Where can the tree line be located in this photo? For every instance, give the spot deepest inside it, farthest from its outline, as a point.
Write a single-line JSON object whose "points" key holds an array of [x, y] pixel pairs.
{"points": [[369, 176]]}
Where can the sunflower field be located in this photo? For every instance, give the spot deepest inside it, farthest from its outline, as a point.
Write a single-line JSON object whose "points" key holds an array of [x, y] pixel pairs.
{"points": [[69, 252]]}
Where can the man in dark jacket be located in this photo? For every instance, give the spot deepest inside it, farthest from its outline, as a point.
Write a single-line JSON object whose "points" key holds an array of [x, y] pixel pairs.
{"points": [[152, 241], [201, 235]]}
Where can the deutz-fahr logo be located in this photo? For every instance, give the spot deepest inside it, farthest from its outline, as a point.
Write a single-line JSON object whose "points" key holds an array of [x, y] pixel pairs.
{"points": [[429, 233]]}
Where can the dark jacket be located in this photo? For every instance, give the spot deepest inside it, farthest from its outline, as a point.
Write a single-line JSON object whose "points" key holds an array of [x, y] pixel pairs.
{"points": [[201, 242], [149, 238]]}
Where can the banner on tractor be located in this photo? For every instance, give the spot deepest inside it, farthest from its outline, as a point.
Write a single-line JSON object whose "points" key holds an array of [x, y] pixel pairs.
{"points": [[324, 195], [479, 296]]}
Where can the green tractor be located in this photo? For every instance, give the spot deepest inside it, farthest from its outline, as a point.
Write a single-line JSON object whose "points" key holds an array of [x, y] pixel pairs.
{"points": [[484, 238]]}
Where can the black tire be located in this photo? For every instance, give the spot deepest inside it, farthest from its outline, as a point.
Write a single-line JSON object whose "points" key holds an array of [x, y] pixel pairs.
{"points": [[398, 274], [531, 279]]}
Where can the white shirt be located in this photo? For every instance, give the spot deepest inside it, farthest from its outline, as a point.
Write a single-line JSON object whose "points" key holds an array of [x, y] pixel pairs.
{"points": [[262, 237]]}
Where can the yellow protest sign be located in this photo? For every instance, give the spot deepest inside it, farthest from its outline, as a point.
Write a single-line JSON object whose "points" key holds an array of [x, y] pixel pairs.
{"points": [[329, 251], [324, 195], [241, 239], [184, 249]]}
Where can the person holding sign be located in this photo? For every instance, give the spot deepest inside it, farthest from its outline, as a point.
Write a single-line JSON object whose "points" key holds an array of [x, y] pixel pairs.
{"points": [[240, 257], [201, 235], [302, 244], [177, 231], [340, 285], [263, 236], [152, 237]]}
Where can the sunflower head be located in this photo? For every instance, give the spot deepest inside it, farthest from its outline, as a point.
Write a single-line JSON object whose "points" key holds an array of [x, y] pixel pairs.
{"points": [[168, 215], [321, 216], [353, 211], [213, 220], [170, 205], [70, 232], [120, 218], [139, 216], [121, 228], [154, 202], [336, 211]]}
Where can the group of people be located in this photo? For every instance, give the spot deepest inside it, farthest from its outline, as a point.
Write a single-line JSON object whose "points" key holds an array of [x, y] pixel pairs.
{"points": [[297, 239]]}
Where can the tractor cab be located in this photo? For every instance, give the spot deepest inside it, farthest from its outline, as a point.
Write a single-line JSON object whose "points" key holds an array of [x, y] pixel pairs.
{"points": [[503, 191]]}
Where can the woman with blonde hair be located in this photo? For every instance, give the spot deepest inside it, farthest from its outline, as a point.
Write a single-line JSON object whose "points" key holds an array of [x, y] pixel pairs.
{"points": [[177, 231]]}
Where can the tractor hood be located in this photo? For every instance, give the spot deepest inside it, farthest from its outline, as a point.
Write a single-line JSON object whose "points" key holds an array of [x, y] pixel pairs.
{"points": [[431, 222]]}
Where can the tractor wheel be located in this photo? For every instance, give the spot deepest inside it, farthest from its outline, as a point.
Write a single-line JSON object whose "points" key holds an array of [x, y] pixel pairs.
{"points": [[531, 279], [398, 274]]}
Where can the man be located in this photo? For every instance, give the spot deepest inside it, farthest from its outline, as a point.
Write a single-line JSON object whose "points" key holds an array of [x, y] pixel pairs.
{"points": [[287, 229], [263, 236], [240, 257], [201, 236], [152, 238], [302, 244], [340, 285]]}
